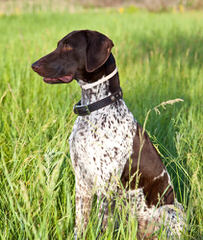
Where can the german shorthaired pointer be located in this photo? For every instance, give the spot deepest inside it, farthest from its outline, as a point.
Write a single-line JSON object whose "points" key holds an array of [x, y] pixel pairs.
{"points": [[110, 152]]}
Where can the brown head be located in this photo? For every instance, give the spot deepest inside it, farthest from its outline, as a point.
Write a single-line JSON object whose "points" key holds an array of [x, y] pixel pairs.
{"points": [[77, 56]]}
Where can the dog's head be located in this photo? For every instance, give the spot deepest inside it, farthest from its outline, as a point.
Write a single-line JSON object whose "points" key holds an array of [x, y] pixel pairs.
{"points": [[77, 53]]}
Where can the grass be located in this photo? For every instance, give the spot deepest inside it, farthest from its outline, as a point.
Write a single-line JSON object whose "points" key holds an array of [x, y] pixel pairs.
{"points": [[159, 57]]}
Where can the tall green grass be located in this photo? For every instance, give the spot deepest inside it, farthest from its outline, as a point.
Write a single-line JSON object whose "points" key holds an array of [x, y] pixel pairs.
{"points": [[159, 57]]}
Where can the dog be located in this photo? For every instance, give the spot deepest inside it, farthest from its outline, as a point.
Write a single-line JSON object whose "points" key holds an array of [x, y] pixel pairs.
{"points": [[110, 152]]}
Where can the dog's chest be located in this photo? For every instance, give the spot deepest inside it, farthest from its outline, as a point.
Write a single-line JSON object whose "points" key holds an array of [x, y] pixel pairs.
{"points": [[101, 143]]}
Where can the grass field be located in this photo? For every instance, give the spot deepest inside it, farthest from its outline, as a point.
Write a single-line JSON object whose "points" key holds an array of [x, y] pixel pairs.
{"points": [[159, 57]]}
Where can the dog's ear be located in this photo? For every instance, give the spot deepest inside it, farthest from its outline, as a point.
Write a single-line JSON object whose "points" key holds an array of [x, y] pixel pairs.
{"points": [[98, 50]]}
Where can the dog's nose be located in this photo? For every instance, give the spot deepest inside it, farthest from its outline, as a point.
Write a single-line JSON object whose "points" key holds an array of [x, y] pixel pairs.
{"points": [[36, 66]]}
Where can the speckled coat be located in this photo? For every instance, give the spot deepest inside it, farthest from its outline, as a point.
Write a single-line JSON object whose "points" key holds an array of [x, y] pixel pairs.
{"points": [[100, 145]]}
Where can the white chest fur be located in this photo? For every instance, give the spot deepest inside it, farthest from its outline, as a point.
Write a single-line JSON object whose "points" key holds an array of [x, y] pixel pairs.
{"points": [[101, 143]]}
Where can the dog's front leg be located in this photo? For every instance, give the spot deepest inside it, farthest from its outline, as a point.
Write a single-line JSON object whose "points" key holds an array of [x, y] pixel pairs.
{"points": [[106, 205], [102, 203], [83, 202]]}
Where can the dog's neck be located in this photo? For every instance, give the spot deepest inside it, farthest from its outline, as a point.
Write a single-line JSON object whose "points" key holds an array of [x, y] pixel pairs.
{"points": [[101, 90], [94, 94]]}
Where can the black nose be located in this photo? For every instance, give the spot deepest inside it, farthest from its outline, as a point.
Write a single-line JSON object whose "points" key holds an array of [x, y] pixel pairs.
{"points": [[36, 66]]}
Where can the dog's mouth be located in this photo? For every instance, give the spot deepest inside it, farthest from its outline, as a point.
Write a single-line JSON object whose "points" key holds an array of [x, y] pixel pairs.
{"points": [[64, 79]]}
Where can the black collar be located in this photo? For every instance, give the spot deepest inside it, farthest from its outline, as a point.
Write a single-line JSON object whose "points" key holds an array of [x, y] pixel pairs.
{"points": [[83, 110]]}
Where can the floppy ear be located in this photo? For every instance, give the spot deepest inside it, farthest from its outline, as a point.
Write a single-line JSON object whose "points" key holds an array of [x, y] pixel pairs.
{"points": [[98, 50]]}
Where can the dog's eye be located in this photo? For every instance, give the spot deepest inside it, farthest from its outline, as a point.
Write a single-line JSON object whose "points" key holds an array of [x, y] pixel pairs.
{"points": [[67, 47]]}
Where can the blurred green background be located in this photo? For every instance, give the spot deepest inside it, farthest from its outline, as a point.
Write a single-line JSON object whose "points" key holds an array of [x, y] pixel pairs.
{"points": [[159, 53]]}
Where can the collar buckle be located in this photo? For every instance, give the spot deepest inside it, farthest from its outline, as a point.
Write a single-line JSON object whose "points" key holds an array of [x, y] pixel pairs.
{"points": [[81, 110]]}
